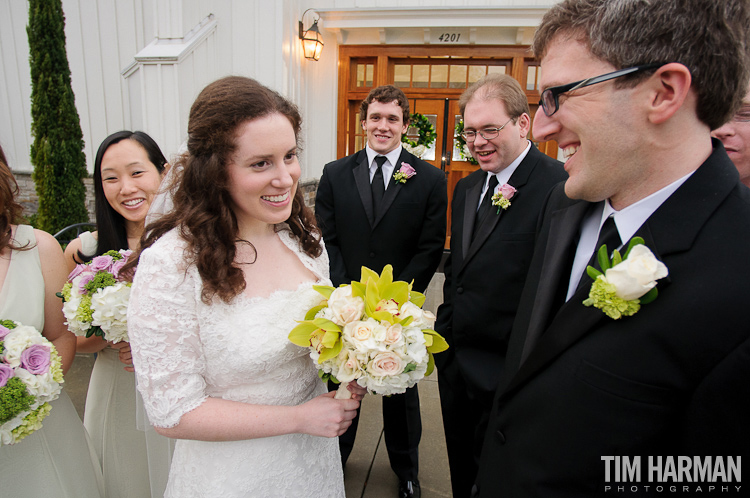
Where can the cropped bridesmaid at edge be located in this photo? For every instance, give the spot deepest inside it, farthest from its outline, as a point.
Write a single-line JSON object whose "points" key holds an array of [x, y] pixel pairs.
{"points": [[56, 460]]}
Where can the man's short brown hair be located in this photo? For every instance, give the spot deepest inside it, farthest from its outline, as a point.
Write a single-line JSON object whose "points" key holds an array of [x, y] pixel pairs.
{"points": [[709, 37], [385, 94]]}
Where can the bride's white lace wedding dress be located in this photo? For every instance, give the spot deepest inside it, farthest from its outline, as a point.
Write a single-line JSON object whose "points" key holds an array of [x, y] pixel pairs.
{"points": [[185, 351]]}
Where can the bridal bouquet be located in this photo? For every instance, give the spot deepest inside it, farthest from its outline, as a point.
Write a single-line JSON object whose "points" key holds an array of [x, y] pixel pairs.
{"points": [[95, 299], [30, 377], [373, 332]]}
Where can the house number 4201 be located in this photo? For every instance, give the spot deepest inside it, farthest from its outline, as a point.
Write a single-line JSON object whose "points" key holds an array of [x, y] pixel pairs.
{"points": [[449, 37]]}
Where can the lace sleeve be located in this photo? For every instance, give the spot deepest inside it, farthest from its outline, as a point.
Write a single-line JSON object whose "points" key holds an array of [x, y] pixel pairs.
{"points": [[164, 334]]}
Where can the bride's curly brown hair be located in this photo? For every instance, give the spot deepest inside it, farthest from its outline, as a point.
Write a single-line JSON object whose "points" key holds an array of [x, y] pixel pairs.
{"points": [[202, 204]]}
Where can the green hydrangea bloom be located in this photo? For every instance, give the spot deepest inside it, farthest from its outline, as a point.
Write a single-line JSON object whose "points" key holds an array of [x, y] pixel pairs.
{"points": [[84, 313], [10, 325], [500, 201], [32, 422], [602, 295], [115, 255], [66, 292], [101, 280], [55, 366], [14, 399]]}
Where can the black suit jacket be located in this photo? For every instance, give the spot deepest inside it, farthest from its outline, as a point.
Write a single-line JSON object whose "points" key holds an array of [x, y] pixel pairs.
{"points": [[484, 278], [408, 232], [670, 380]]}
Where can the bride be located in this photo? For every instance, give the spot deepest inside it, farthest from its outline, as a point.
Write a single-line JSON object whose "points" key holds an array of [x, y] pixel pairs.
{"points": [[219, 284]]}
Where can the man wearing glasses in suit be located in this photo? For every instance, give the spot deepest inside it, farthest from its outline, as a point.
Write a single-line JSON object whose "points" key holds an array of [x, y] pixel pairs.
{"points": [[491, 248], [646, 360]]}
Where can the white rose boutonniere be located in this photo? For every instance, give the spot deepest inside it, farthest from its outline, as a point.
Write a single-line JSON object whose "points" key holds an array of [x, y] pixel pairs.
{"points": [[627, 282]]}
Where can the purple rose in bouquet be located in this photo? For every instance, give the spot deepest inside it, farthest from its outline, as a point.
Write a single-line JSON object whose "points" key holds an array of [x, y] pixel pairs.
{"points": [[36, 359]]}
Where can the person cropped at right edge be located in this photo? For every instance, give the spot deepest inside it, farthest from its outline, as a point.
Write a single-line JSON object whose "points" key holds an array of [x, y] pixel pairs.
{"points": [[735, 135], [600, 367]]}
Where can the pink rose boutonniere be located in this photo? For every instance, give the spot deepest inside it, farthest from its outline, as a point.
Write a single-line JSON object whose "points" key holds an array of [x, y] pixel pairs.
{"points": [[503, 194], [404, 173]]}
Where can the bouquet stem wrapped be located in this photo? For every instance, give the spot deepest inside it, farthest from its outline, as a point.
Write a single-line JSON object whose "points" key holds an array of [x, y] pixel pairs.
{"points": [[374, 332]]}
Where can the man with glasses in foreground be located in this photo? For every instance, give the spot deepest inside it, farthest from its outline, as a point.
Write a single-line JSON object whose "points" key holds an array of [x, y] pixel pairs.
{"points": [[491, 247], [735, 135], [610, 387]]}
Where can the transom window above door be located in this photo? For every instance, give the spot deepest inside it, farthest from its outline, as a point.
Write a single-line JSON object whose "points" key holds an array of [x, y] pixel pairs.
{"points": [[443, 73]]}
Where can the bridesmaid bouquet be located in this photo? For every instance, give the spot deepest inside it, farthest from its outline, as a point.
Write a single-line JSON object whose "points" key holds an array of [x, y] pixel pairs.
{"points": [[95, 299], [30, 377], [373, 332]]}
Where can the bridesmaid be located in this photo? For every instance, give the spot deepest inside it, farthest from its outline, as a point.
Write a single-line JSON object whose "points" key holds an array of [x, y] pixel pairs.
{"points": [[56, 460], [127, 172]]}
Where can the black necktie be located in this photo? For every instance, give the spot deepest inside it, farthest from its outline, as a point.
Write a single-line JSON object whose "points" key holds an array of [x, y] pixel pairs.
{"points": [[486, 206], [378, 185], [607, 235]]}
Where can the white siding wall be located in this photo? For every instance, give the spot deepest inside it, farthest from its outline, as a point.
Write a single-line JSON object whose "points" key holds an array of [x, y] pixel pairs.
{"points": [[120, 84]]}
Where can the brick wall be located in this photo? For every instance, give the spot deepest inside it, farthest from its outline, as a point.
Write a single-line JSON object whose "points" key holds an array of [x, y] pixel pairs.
{"points": [[30, 201]]}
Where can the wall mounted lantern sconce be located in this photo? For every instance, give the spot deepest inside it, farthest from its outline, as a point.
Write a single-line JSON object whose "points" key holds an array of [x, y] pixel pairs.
{"points": [[312, 41]]}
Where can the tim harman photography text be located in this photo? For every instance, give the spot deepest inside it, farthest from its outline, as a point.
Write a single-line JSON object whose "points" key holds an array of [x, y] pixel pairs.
{"points": [[665, 474]]}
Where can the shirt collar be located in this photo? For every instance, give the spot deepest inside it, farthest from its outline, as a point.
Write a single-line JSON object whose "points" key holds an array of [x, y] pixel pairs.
{"points": [[504, 175], [392, 156], [631, 218]]}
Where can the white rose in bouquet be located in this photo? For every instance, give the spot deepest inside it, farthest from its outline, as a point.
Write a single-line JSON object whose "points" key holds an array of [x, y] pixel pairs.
{"points": [[18, 340], [422, 319], [349, 366], [362, 335], [386, 364], [343, 307]]}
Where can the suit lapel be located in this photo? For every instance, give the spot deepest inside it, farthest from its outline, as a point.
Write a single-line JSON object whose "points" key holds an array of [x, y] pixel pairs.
{"points": [[470, 213], [671, 229], [562, 243], [362, 178]]}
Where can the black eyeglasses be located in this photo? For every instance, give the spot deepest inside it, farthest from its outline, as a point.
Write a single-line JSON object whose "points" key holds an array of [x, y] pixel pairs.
{"points": [[550, 97], [487, 133], [743, 115]]}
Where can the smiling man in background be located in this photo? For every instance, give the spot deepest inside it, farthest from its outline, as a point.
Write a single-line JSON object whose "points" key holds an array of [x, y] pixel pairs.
{"points": [[369, 218]]}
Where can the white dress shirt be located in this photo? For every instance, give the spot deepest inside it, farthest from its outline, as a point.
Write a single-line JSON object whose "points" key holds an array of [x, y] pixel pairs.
{"points": [[388, 166], [627, 220]]}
